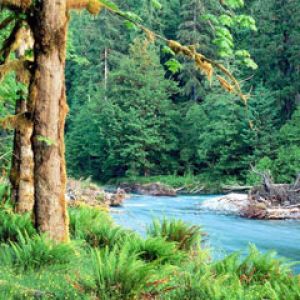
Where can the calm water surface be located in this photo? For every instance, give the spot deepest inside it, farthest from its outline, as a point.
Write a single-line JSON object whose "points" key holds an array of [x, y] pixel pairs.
{"points": [[226, 233]]}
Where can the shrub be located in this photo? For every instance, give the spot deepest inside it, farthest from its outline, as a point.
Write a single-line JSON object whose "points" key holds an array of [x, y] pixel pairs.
{"points": [[187, 237], [35, 252]]}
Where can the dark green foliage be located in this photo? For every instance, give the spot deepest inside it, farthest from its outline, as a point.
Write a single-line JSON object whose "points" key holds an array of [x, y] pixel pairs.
{"points": [[141, 124], [186, 237], [288, 155], [133, 131], [193, 30]]}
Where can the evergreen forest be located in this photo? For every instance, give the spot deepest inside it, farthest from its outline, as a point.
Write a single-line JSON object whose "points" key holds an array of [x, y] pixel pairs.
{"points": [[149, 118]]}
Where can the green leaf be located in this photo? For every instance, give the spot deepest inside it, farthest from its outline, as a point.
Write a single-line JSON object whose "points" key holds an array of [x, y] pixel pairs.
{"points": [[233, 3], [168, 50], [131, 16], [46, 140], [242, 53], [212, 18], [129, 25], [110, 4], [173, 65], [156, 4], [250, 63], [226, 20], [246, 22]]}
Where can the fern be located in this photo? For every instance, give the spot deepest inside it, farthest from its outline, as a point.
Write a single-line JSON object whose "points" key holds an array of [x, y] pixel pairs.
{"points": [[118, 274], [155, 249], [36, 252], [12, 224], [187, 237]]}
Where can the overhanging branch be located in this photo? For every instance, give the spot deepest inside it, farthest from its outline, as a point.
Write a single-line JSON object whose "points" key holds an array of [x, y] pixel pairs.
{"points": [[21, 67], [16, 4], [9, 42], [203, 63], [92, 6]]}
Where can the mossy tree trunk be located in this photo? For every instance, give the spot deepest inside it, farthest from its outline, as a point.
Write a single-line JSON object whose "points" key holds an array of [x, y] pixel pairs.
{"points": [[49, 108], [21, 175]]}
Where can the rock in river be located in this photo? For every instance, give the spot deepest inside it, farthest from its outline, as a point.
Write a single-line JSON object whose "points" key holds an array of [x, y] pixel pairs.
{"points": [[231, 203]]}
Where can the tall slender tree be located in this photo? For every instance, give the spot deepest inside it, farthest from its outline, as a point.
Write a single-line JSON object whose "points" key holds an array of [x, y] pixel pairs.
{"points": [[194, 31]]}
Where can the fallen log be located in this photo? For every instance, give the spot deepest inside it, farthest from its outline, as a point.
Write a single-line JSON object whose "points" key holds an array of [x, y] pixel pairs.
{"points": [[236, 188], [276, 194]]}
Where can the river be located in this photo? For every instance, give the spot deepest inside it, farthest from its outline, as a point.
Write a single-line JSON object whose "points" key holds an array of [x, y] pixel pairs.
{"points": [[226, 233]]}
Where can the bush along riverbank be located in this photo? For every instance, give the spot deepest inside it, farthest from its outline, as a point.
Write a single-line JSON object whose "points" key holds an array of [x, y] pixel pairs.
{"points": [[105, 261]]}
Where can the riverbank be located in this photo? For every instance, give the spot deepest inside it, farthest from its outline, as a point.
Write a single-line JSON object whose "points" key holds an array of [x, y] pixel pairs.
{"points": [[187, 184]]}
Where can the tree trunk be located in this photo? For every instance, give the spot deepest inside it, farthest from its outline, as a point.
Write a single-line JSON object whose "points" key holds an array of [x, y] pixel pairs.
{"points": [[21, 175], [106, 70], [48, 102]]}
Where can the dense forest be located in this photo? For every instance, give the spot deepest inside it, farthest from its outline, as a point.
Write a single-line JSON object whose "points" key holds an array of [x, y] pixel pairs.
{"points": [[146, 120]]}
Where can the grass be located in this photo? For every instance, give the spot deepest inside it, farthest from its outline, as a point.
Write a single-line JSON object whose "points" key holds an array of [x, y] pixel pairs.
{"points": [[104, 261]]}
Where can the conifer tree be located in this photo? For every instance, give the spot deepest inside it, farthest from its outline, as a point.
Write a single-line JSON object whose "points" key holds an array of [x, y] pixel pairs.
{"points": [[276, 47], [194, 31], [135, 134]]}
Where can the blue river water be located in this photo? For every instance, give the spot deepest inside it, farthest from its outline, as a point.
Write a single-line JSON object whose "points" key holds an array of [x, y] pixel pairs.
{"points": [[226, 233]]}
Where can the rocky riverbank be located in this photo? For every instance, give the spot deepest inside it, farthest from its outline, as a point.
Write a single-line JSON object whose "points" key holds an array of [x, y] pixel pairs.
{"points": [[152, 189], [93, 195]]}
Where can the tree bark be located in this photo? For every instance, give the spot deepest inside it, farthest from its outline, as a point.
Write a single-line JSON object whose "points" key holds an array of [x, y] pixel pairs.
{"points": [[21, 175], [48, 103]]}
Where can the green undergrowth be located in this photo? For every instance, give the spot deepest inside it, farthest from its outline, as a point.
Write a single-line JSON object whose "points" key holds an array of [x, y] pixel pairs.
{"points": [[186, 184], [104, 261]]}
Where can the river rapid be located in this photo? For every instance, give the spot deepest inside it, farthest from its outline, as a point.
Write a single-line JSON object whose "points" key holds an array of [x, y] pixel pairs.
{"points": [[226, 233]]}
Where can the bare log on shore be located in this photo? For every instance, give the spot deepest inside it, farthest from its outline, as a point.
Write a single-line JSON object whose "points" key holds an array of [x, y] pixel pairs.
{"points": [[276, 194]]}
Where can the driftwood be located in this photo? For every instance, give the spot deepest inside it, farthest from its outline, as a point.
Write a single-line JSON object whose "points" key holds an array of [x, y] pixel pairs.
{"points": [[236, 188], [276, 194]]}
